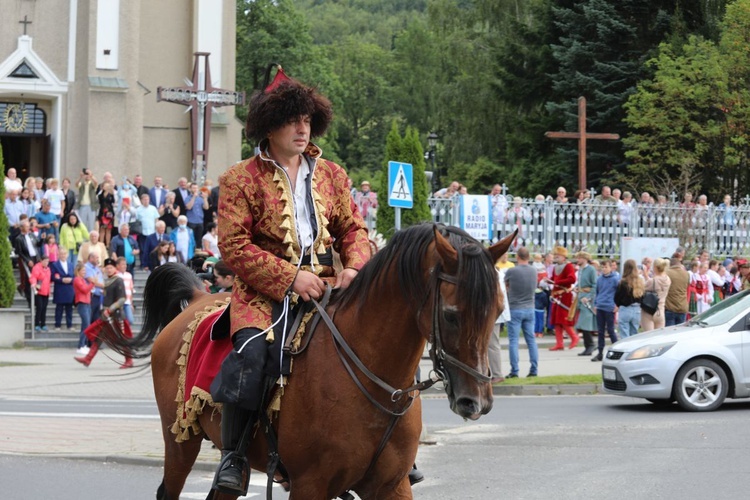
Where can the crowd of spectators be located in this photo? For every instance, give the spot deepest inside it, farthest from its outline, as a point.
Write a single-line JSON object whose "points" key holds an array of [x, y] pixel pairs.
{"points": [[615, 305], [61, 234]]}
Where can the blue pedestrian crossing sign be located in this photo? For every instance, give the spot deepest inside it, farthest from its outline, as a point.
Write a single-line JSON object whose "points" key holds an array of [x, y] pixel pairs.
{"points": [[400, 185]]}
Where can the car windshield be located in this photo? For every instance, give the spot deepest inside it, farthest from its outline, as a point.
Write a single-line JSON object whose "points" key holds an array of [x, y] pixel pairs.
{"points": [[723, 311]]}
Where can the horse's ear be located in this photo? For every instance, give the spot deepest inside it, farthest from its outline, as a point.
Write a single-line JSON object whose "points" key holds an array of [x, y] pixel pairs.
{"points": [[498, 249], [446, 251]]}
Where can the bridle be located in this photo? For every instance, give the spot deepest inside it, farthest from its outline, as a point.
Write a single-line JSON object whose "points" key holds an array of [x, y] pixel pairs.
{"points": [[438, 355], [440, 358]]}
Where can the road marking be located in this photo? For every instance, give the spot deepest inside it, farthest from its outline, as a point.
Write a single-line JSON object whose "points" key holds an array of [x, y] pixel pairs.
{"points": [[77, 415]]}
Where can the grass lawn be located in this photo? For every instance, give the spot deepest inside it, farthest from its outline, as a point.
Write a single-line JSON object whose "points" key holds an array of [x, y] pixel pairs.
{"points": [[554, 380]]}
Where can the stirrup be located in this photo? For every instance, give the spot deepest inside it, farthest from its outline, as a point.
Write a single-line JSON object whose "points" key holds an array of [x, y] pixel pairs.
{"points": [[245, 472], [346, 496]]}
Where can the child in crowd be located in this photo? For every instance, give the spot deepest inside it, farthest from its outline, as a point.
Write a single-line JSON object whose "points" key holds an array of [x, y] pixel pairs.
{"points": [[50, 248], [704, 289], [83, 288], [604, 303], [41, 279]]}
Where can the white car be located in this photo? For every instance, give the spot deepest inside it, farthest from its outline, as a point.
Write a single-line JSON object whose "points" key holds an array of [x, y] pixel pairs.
{"points": [[698, 364]]}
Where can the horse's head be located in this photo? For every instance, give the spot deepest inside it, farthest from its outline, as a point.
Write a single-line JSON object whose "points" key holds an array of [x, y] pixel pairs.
{"points": [[466, 302]]}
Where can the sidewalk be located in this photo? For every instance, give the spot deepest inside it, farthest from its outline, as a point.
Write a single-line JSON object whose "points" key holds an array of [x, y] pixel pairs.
{"points": [[35, 374]]}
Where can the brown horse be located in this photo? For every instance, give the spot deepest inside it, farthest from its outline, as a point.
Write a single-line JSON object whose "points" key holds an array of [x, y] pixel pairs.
{"points": [[430, 283]]}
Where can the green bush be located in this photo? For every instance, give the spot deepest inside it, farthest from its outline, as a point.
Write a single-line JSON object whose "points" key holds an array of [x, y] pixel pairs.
{"points": [[7, 280]]}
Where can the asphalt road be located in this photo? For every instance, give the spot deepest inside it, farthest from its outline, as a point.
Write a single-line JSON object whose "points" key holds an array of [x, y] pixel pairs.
{"points": [[560, 447]]}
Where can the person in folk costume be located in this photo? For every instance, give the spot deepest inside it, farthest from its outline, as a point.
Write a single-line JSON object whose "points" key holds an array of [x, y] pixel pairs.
{"points": [[586, 323], [280, 214], [563, 279], [112, 305], [704, 289]]}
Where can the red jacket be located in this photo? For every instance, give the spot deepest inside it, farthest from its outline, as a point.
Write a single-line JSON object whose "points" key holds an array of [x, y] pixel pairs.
{"points": [[561, 291], [43, 276], [83, 289]]}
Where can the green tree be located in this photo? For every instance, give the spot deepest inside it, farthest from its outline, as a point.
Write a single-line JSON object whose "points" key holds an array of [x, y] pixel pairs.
{"points": [[675, 123], [394, 149], [7, 280]]}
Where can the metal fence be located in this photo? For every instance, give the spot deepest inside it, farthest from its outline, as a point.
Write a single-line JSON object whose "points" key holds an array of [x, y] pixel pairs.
{"points": [[599, 227]]}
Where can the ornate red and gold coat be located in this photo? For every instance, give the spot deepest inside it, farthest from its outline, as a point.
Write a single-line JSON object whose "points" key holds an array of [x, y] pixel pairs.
{"points": [[563, 284], [258, 237]]}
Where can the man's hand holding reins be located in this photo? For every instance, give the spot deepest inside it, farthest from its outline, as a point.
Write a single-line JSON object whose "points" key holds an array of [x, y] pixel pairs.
{"points": [[308, 285]]}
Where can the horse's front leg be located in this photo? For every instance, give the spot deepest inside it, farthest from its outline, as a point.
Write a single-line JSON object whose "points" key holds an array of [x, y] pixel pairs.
{"points": [[402, 491]]}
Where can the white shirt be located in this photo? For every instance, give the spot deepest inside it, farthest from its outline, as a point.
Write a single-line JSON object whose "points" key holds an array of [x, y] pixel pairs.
{"points": [[213, 244], [64, 265], [182, 243], [13, 185], [30, 245], [302, 214]]}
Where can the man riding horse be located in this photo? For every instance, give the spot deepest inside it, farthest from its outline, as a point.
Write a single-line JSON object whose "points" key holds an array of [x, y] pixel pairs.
{"points": [[280, 212]]}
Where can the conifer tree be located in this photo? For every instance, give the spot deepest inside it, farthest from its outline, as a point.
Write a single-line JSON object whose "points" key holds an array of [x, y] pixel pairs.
{"points": [[7, 280]]}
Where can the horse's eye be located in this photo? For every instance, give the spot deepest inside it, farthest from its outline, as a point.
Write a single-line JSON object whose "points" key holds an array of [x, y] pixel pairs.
{"points": [[450, 317]]}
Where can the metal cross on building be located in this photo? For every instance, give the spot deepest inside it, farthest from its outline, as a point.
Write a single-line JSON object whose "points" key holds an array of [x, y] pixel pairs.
{"points": [[201, 97], [582, 136], [25, 23]]}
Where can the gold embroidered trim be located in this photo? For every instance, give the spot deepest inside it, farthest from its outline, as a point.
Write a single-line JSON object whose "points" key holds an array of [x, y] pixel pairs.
{"points": [[188, 411]]}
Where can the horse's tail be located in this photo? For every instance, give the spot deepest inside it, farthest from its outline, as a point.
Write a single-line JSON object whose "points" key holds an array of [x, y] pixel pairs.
{"points": [[168, 290]]}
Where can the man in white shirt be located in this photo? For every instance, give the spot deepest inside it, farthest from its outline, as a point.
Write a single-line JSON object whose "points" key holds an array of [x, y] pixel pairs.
{"points": [[12, 182]]}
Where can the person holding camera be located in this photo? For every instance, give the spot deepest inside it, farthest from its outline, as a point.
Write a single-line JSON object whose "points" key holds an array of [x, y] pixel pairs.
{"points": [[218, 278], [88, 203]]}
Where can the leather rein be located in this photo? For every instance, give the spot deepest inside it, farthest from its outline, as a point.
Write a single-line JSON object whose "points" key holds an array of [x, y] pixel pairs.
{"points": [[437, 352]]}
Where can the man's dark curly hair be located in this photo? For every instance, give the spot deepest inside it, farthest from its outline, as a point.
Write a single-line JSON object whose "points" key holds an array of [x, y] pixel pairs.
{"points": [[284, 104]]}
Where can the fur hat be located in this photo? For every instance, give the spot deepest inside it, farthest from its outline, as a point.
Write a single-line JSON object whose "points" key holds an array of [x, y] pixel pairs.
{"points": [[561, 251], [283, 101], [584, 255]]}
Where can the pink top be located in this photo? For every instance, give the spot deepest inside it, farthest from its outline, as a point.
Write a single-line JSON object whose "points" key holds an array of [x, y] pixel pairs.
{"points": [[43, 276], [82, 289], [51, 251]]}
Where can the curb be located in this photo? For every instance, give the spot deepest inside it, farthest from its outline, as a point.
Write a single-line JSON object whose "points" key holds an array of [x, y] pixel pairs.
{"points": [[547, 390]]}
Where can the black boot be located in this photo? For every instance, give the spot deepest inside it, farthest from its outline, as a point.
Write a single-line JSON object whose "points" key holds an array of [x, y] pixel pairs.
{"points": [[235, 424], [588, 344], [415, 475]]}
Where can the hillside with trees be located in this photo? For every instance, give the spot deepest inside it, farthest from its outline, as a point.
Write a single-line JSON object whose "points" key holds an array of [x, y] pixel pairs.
{"points": [[489, 77]]}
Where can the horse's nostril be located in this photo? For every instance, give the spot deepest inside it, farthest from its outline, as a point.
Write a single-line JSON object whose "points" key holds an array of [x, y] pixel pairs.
{"points": [[468, 406]]}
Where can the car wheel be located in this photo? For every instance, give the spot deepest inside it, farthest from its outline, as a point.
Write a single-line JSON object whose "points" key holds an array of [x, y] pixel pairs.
{"points": [[661, 403], [700, 385]]}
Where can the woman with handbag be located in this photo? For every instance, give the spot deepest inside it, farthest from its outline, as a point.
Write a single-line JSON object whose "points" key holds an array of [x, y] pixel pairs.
{"points": [[656, 294]]}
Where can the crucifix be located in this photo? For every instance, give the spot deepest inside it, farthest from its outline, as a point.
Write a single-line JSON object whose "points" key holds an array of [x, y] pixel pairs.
{"points": [[582, 136], [25, 23], [201, 97]]}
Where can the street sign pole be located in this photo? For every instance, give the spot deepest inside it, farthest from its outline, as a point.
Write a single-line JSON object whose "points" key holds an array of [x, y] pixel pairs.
{"points": [[400, 189]]}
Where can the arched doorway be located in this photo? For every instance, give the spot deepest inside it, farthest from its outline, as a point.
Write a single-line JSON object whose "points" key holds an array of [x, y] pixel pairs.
{"points": [[24, 139]]}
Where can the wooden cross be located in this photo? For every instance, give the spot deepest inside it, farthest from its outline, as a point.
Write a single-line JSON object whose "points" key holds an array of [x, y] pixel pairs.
{"points": [[582, 136], [25, 23], [200, 97]]}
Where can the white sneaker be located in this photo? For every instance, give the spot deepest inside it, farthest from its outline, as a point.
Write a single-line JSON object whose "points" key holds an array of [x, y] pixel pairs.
{"points": [[81, 350]]}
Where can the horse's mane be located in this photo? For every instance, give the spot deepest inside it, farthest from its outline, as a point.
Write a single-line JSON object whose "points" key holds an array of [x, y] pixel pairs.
{"points": [[404, 254]]}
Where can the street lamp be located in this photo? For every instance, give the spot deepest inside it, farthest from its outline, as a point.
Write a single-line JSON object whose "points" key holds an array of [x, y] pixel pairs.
{"points": [[432, 139]]}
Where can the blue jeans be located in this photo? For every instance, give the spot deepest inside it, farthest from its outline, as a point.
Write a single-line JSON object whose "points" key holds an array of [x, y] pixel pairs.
{"points": [[96, 307], [629, 320], [538, 320], [84, 311], [522, 319], [127, 311], [605, 319], [673, 318]]}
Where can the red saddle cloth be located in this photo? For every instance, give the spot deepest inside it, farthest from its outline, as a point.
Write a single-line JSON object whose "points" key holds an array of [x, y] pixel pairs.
{"points": [[205, 355], [199, 361]]}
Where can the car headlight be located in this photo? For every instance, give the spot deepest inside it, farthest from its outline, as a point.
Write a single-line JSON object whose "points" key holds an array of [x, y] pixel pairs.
{"points": [[650, 351]]}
